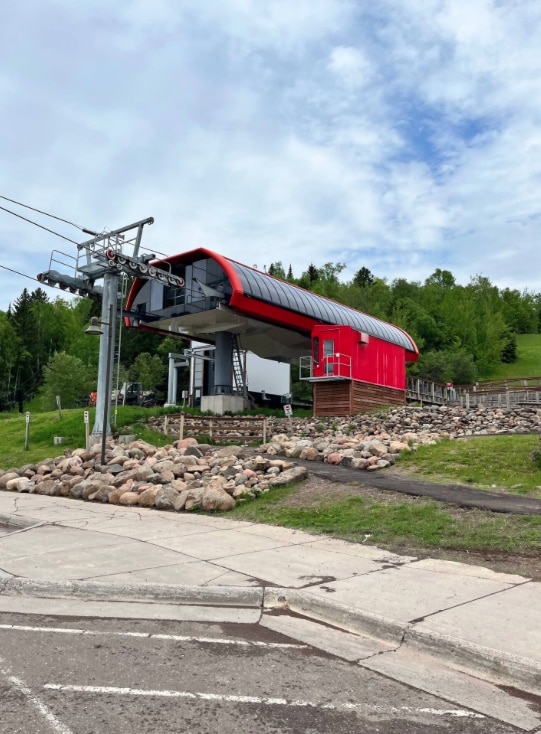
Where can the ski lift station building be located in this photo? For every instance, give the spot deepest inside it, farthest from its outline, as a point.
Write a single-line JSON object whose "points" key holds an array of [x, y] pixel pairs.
{"points": [[354, 361]]}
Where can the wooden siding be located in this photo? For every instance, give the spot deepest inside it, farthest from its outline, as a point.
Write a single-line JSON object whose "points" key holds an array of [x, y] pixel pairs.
{"points": [[350, 397]]}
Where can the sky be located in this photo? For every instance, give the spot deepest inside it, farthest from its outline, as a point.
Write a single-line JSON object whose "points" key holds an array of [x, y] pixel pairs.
{"points": [[397, 135]]}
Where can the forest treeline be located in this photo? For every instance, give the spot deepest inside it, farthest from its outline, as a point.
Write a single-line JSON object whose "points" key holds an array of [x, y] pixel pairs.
{"points": [[462, 331]]}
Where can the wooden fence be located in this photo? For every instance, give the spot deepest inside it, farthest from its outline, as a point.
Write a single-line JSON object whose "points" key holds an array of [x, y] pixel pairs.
{"points": [[217, 428]]}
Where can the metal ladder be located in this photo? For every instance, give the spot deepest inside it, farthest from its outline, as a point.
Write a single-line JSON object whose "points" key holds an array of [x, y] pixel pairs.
{"points": [[241, 386]]}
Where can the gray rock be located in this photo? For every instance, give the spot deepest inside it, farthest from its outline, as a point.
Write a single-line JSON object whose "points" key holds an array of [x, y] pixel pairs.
{"points": [[180, 501], [290, 476], [165, 498], [193, 451]]}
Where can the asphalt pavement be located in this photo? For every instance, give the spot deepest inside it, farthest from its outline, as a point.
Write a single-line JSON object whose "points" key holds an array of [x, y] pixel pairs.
{"points": [[456, 494], [386, 612]]}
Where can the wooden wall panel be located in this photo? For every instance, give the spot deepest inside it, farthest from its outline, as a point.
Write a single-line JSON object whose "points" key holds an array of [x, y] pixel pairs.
{"points": [[333, 398], [350, 397]]}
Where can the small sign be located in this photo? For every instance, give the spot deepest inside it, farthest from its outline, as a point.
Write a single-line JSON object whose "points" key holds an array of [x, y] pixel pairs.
{"points": [[28, 417], [86, 416], [288, 410]]}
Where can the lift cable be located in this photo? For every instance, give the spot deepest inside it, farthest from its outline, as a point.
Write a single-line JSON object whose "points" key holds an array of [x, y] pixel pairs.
{"points": [[17, 272], [68, 239], [40, 211]]}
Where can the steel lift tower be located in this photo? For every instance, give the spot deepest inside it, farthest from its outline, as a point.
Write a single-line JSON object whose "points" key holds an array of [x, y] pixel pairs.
{"points": [[103, 258]]}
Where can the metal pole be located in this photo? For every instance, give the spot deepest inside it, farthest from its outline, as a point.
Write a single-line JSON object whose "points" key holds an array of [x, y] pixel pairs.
{"points": [[87, 429], [110, 295], [172, 381], [107, 400], [27, 432]]}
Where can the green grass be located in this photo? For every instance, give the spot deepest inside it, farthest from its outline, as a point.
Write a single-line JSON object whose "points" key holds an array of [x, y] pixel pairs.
{"points": [[399, 523], [44, 427], [415, 524], [420, 525], [501, 462], [528, 362]]}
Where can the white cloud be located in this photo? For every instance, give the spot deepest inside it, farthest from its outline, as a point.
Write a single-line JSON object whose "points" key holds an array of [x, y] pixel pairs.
{"points": [[351, 66], [398, 135]]}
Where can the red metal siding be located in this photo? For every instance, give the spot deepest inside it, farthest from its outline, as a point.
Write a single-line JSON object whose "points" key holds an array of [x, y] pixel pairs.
{"points": [[358, 357], [267, 312]]}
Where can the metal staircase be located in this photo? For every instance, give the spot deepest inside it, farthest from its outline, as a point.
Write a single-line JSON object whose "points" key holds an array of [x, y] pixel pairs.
{"points": [[239, 372]]}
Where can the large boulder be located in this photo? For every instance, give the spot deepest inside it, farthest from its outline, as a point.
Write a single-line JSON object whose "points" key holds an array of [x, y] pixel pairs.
{"points": [[290, 476], [165, 498], [193, 498], [7, 477], [215, 498], [129, 499], [147, 498], [49, 487]]}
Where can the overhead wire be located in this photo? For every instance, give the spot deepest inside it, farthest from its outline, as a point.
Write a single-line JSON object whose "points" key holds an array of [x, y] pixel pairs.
{"points": [[46, 229], [53, 216], [40, 211], [24, 275], [20, 216]]}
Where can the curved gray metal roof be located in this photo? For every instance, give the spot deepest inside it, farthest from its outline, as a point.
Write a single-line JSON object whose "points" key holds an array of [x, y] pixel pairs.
{"points": [[271, 290]]}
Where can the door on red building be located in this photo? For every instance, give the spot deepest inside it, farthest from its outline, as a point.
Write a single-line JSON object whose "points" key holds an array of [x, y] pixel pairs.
{"points": [[328, 356], [330, 342], [331, 351]]}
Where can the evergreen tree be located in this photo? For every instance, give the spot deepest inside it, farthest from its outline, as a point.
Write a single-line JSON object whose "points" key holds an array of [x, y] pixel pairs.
{"points": [[277, 269], [312, 273], [22, 320], [363, 278], [9, 350]]}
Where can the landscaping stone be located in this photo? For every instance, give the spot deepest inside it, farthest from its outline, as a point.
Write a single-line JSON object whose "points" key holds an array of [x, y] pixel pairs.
{"points": [[186, 475]]}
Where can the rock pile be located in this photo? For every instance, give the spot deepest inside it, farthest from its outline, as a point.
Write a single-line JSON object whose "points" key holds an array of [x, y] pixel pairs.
{"points": [[445, 421], [375, 441], [185, 476]]}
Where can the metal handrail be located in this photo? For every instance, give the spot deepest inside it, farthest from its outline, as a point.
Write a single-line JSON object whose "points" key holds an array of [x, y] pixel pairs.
{"points": [[341, 368]]}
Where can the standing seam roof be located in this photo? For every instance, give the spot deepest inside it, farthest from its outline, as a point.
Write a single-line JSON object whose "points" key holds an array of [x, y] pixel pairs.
{"points": [[260, 285]]}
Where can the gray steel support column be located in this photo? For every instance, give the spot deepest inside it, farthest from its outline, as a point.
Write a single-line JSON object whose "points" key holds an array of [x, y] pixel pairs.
{"points": [[105, 370], [172, 381], [223, 363], [175, 361]]}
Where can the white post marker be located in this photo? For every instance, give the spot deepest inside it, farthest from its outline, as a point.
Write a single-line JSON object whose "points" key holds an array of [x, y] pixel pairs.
{"points": [[288, 410], [27, 433], [87, 437]]}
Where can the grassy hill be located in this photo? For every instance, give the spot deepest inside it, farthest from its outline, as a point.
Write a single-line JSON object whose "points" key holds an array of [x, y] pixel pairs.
{"points": [[528, 363]]}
